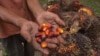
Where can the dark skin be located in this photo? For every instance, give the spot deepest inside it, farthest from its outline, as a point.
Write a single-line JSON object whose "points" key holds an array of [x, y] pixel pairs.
{"points": [[29, 28]]}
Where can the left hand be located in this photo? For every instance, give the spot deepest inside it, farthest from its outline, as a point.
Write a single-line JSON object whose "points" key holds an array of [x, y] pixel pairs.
{"points": [[51, 18]]}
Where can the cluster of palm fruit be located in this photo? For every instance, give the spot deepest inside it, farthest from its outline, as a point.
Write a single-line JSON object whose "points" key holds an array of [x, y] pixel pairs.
{"points": [[46, 31], [82, 27], [74, 5]]}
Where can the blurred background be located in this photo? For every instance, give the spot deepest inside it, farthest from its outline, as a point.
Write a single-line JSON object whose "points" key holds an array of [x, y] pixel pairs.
{"points": [[94, 4]]}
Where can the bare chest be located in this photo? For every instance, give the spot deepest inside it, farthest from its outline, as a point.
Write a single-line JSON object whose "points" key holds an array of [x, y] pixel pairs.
{"points": [[12, 3], [17, 6]]}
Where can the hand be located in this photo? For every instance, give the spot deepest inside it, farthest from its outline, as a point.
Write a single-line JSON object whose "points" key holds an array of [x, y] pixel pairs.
{"points": [[28, 31], [51, 18]]}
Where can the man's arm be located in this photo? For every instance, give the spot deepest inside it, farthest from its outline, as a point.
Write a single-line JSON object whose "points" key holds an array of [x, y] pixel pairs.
{"points": [[35, 7], [24, 25], [28, 29], [9, 16]]}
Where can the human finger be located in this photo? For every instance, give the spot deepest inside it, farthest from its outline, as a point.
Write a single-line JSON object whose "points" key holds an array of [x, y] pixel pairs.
{"points": [[53, 40]]}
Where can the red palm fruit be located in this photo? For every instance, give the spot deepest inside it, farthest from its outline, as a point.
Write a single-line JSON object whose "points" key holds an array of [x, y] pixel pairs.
{"points": [[52, 35], [44, 29], [40, 29], [43, 37], [38, 34], [47, 32], [56, 34], [38, 39], [53, 8], [50, 26], [44, 44], [44, 25], [60, 30], [43, 33]]}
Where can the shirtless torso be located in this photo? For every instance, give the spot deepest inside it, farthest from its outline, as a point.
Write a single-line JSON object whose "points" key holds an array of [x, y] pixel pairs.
{"points": [[19, 7]]}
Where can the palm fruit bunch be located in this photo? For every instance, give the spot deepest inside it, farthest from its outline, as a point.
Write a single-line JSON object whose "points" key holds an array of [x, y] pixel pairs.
{"points": [[52, 6], [78, 7], [46, 31], [82, 28]]}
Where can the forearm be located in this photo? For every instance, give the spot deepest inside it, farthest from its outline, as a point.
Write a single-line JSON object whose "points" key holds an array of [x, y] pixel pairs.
{"points": [[35, 7], [7, 15]]}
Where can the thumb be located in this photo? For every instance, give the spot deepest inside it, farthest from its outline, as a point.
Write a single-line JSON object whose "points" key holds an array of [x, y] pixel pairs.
{"points": [[34, 43], [25, 33], [59, 21]]}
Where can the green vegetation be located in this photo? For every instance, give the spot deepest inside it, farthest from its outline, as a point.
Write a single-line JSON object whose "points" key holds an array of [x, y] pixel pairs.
{"points": [[43, 1], [93, 4]]}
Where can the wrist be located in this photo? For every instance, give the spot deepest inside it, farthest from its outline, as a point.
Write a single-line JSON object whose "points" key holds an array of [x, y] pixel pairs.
{"points": [[22, 22], [39, 12]]}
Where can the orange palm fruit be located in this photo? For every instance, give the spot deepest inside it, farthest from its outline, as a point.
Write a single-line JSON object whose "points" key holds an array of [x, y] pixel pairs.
{"points": [[44, 44], [60, 30]]}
